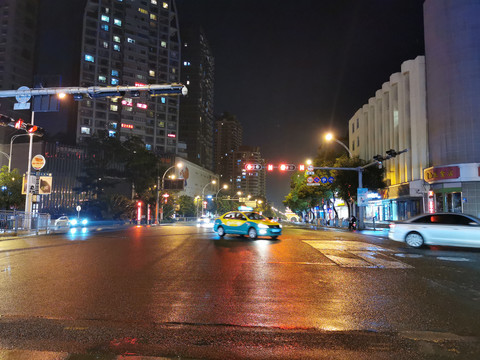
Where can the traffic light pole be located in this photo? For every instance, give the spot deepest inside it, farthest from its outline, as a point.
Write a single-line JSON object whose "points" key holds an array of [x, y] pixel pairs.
{"points": [[28, 197]]}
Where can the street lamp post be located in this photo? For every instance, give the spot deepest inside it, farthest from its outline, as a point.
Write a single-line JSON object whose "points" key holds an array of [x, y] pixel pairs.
{"points": [[213, 182], [330, 137], [224, 187], [11, 148], [160, 189]]}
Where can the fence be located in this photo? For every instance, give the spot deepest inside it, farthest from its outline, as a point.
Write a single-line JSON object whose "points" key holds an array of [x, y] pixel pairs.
{"points": [[13, 222]]}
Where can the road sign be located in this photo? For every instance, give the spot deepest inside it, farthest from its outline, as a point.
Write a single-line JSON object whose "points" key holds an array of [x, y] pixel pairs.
{"points": [[313, 184], [310, 172], [362, 198], [23, 98], [310, 167], [310, 180], [331, 179], [79, 208], [324, 180], [316, 179], [38, 162]]}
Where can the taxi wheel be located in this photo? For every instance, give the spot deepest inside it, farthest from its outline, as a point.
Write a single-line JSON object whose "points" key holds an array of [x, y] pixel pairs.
{"points": [[221, 231], [252, 233], [274, 237]]}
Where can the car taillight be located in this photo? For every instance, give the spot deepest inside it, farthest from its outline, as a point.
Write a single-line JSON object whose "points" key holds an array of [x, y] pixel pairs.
{"points": [[392, 226]]}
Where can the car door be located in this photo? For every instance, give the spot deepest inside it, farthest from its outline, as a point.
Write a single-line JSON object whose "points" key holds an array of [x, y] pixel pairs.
{"points": [[442, 229], [242, 226], [228, 222], [466, 232]]}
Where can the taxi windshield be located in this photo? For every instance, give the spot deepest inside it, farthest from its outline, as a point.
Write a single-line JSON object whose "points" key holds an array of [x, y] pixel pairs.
{"points": [[254, 216]]}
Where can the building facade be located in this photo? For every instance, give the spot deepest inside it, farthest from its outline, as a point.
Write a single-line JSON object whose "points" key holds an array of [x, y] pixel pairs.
{"points": [[228, 139], [396, 118], [248, 182], [196, 109], [17, 50], [130, 43], [452, 51]]}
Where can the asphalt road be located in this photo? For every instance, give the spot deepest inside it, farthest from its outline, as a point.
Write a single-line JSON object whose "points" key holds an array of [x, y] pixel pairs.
{"points": [[182, 292]]}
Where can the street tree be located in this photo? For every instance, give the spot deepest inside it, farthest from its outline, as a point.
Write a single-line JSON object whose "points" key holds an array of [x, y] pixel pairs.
{"points": [[11, 189], [187, 206]]}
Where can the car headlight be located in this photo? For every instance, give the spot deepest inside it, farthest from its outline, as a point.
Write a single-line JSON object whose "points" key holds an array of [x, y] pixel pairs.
{"points": [[73, 222], [280, 226], [84, 222], [262, 226]]}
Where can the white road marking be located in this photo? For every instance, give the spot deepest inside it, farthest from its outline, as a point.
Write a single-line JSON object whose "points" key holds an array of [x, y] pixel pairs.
{"points": [[356, 254]]}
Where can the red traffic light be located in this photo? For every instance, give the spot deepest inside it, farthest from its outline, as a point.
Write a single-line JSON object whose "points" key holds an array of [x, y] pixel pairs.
{"points": [[270, 167], [287, 167], [253, 166], [32, 129], [19, 124], [283, 167]]}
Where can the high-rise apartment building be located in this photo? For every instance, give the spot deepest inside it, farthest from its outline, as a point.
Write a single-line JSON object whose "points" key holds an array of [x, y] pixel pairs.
{"points": [[228, 138], [128, 43], [248, 182], [196, 109], [17, 49]]}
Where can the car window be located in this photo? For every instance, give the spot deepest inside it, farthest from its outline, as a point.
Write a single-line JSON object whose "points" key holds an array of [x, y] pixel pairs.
{"points": [[255, 216], [239, 216], [423, 219], [229, 216], [463, 220]]}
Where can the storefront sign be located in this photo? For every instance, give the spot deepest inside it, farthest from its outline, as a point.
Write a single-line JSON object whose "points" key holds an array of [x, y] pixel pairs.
{"points": [[441, 173]]}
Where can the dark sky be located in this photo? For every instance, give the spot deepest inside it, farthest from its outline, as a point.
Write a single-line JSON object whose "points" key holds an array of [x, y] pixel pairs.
{"points": [[291, 70]]}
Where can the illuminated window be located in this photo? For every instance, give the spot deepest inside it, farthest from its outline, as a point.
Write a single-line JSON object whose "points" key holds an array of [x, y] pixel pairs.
{"points": [[154, 2], [114, 81], [148, 146], [117, 22], [113, 107], [105, 44], [105, 18], [164, 100], [161, 124], [116, 39], [85, 130], [143, 11], [114, 72], [89, 58], [163, 44], [165, 5], [112, 133], [116, 47], [102, 79], [104, 27], [131, 41], [151, 73], [153, 17], [188, 83]]}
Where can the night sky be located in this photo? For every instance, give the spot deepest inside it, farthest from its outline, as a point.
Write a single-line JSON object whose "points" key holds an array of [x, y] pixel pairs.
{"points": [[289, 70]]}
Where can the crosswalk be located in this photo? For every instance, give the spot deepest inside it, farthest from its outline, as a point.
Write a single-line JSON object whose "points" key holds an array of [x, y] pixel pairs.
{"points": [[357, 254]]}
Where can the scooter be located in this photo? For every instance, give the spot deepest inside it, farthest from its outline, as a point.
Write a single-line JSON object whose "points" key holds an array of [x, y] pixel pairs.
{"points": [[352, 225]]}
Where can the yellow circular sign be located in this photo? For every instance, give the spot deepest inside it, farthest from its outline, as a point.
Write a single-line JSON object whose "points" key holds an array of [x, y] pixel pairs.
{"points": [[38, 162]]}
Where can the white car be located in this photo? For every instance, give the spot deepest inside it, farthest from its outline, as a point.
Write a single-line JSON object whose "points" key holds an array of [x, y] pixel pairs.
{"points": [[204, 221], [449, 229], [61, 222]]}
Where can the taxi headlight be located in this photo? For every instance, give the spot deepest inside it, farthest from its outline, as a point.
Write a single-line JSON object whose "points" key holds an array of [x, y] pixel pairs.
{"points": [[280, 226], [262, 226]]}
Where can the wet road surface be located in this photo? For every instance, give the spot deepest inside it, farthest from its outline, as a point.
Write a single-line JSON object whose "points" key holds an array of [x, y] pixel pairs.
{"points": [[181, 291]]}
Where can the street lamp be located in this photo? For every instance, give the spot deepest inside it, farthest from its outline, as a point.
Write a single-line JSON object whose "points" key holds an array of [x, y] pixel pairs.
{"points": [[11, 148], [224, 187], [213, 182], [160, 189], [329, 137]]}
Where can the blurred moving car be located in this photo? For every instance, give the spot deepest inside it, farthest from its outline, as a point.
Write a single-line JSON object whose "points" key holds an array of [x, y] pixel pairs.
{"points": [[63, 222], [449, 229], [204, 221], [246, 223]]}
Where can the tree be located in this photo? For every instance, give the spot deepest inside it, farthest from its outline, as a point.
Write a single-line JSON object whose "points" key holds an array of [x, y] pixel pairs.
{"points": [[11, 189], [187, 206]]}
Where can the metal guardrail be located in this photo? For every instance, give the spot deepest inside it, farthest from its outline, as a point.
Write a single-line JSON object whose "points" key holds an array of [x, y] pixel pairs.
{"points": [[13, 222]]}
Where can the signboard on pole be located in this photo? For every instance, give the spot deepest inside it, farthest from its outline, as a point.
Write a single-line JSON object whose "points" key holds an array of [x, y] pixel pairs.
{"points": [[362, 198], [38, 162]]}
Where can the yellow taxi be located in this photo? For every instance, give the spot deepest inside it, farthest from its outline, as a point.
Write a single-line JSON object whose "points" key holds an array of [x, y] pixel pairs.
{"points": [[246, 223]]}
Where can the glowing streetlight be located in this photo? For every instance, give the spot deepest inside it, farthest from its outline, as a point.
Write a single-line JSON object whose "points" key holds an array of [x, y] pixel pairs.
{"points": [[330, 137], [179, 165]]}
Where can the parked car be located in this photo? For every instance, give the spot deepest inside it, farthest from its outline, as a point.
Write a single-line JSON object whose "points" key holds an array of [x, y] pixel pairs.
{"points": [[246, 223], [449, 229]]}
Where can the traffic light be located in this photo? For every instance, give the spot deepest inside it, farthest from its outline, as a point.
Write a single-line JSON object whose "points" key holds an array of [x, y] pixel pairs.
{"points": [[287, 167], [301, 167], [34, 129], [270, 167], [19, 124], [250, 167], [5, 120], [391, 153]]}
